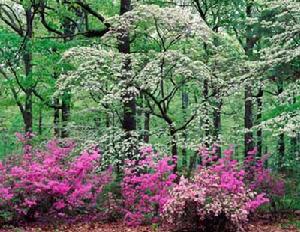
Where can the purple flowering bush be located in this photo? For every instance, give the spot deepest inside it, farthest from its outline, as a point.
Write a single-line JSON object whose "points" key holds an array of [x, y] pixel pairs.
{"points": [[262, 179], [145, 187], [51, 182], [217, 198]]}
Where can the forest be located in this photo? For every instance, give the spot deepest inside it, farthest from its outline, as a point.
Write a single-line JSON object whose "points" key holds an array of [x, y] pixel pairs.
{"points": [[150, 115]]}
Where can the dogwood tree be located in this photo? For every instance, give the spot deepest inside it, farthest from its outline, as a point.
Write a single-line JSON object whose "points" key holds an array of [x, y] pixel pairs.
{"points": [[168, 61]]}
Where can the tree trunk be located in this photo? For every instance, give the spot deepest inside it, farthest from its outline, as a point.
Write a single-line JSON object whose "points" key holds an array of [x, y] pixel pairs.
{"points": [[259, 133], [56, 128], [40, 126], [281, 138], [65, 114], [294, 141], [206, 122], [184, 106], [27, 59], [248, 120], [129, 106], [69, 31], [217, 123], [281, 150], [248, 117], [174, 147], [146, 126]]}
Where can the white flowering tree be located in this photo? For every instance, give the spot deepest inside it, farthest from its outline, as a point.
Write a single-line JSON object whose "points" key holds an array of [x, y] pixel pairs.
{"points": [[168, 61], [281, 20]]}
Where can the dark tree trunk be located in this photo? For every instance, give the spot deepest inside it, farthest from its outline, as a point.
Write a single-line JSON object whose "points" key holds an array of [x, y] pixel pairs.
{"points": [[65, 114], [248, 120], [184, 106], [206, 122], [27, 59], [129, 106], [248, 117], [174, 147], [69, 30], [40, 125], [281, 150], [217, 114], [294, 146], [281, 138], [146, 126], [56, 128], [259, 133], [294, 141]]}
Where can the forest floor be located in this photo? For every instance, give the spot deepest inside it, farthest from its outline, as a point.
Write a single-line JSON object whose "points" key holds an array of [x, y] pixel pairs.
{"points": [[260, 225]]}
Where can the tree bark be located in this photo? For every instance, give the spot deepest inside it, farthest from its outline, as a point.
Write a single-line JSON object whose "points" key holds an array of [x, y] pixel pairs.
{"points": [[27, 59], [146, 126], [259, 133], [129, 106], [40, 125], [294, 141], [248, 117], [56, 119], [217, 114], [281, 138], [184, 106], [65, 114]]}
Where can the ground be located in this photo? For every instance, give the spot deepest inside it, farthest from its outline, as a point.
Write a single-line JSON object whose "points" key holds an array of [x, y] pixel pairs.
{"points": [[262, 225]]}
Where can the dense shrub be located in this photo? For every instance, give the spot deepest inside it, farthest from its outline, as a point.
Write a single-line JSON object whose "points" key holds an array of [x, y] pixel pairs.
{"points": [[145, 187], [260, 178], [217, 198], [51, 182]]}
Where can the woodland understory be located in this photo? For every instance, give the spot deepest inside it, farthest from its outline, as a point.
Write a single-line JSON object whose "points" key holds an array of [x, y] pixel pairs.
{"points": [[161, 115]]}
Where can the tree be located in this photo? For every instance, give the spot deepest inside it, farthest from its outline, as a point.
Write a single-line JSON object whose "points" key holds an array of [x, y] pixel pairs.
{"points": [[158, 73]]}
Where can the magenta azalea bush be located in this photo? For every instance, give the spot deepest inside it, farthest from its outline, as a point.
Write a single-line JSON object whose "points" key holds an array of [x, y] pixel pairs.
{"points": [[262, 179], [217, 198], [50, 182], [220, 196], [145, 187]]}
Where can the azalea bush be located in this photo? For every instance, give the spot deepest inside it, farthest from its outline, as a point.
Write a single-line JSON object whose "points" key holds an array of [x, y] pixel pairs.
{"points": [[51, 182], [145, 187], [260, 178], [217, 198]]}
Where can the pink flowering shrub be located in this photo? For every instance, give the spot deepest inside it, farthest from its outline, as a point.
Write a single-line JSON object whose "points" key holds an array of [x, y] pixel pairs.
{"points": [[217, 198], [50, 182], [145, 187], [261, 179]]}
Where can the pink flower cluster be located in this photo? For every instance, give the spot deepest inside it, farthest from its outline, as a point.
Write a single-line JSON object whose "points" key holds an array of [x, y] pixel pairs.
{"points": [[50, 181], [218, 190], [260, 178], [145, 187]]}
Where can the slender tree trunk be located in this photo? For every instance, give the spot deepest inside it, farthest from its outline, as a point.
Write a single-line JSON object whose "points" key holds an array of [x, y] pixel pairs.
{"points": [[184, 106], [206, 121], [281, 150], [56, 128], [174, 147], [259, 133], [248, 117], [65, 114], [281, 138], [248, 120], [129, 106], [146, 126], [27, 59], [294, 139], [69, 30], [217, 122], [40, 126]]}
